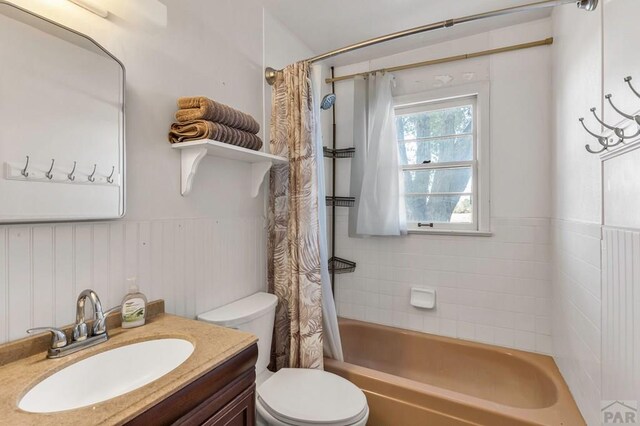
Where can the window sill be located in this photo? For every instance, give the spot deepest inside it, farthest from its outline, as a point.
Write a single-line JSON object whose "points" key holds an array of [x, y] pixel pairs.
{"points": [[461, 233]]}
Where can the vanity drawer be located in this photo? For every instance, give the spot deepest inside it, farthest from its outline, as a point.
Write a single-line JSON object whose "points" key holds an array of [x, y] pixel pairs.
{"points": [[223, 396]]}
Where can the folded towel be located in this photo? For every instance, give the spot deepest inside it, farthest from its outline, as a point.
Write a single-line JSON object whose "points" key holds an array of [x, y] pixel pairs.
{"points": [[201, 108], [202, 129]]}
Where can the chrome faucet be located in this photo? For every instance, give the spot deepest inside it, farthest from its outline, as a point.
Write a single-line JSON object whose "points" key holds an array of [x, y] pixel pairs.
{"points": [[80, 330], [80, 337]]}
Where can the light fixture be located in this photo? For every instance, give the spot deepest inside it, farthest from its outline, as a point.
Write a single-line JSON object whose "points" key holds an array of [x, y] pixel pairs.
{"points": [[91, 7]]}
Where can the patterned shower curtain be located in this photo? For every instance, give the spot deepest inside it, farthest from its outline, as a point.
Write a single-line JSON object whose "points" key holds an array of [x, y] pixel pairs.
{"points": [[294, 246]]}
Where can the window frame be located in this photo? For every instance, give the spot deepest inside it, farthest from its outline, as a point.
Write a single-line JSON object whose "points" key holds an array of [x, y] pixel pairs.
{"points": [[478, 94]]}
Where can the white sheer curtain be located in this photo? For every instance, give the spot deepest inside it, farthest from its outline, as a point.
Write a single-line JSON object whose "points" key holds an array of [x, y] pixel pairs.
{"points": [[331, 333], [375, 175]]}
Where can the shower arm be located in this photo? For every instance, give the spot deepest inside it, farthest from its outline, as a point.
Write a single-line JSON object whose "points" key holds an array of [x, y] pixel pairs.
{"points": [[589, 5]]}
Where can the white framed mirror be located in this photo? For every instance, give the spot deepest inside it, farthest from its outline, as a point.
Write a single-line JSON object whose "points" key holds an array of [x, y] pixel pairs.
{"points": [[62, 134]]}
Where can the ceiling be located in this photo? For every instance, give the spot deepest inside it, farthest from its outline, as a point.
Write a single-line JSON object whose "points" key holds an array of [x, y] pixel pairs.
{"points": [[325, 25]]}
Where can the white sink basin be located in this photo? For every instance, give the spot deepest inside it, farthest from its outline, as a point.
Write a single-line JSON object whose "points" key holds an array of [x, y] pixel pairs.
{"points": [[106, 375]]}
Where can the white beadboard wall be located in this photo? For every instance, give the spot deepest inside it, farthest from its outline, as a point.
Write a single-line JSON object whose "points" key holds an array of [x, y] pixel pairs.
{"points": [[194, 264], [489, 289], [576, 313], [620, 314]]}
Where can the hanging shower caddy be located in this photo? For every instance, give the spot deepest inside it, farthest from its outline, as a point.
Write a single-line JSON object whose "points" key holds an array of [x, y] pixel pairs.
{"points": [[337, 265]]}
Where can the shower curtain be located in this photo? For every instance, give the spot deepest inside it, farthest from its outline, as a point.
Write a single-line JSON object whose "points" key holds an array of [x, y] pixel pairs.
{"points": [[331, 332], [295, 262], [375, 172]]}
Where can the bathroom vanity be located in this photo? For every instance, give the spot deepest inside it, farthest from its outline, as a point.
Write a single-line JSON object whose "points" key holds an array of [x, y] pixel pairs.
{"points": [[223, 396], [214, 385]]}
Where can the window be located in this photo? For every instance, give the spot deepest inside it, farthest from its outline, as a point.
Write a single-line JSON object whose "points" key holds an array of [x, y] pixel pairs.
{"points": [[439, 151]]}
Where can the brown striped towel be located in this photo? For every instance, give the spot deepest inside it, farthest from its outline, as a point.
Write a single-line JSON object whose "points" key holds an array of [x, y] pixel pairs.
{"points": [[203, 129], [201, 108]]}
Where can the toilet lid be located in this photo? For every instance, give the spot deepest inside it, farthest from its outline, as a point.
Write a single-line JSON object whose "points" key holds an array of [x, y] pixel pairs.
{"points": [[304, 396]]}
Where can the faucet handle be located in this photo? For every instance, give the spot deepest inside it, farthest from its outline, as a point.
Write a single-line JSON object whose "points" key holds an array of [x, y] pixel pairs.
{"points": [[100, 325], [80, 332], [58, 338]]}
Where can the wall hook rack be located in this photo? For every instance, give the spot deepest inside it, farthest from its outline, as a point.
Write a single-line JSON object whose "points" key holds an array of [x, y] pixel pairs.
{"points": [[48, 174], [70, 176], [604, 141], [24, 171]]}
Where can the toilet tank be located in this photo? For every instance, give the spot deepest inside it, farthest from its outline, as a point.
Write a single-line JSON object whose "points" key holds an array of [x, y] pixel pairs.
{"points": [[254, 314]]}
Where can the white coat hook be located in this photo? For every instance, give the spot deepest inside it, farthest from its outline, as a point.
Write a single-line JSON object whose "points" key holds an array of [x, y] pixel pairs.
{"points": [[110, 177], [49, 175], [70, 176], [24, 171], [91, 177]]}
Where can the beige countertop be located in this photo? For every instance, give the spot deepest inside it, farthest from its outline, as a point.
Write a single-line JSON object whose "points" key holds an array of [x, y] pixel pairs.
{"points": [[213, 346]]}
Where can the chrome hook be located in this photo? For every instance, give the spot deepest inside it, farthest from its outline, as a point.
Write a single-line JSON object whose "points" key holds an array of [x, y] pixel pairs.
{"points": [[110, 177], [618, 131], [70, 176], [24, 171], [628, 81], [91, 177], [49, 175], [636, 118], [594, 152], [601, 139]]}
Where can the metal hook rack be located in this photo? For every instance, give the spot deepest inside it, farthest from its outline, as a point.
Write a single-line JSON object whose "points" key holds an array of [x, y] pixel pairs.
{"points": [[54, 172], [604, 141]]}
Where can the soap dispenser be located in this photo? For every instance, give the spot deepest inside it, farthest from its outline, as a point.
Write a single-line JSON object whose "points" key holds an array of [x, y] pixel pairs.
{"points": [[134, 306]]}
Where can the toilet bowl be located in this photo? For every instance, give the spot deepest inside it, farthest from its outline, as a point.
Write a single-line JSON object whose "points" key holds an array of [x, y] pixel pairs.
{"points": [[292, 396]]}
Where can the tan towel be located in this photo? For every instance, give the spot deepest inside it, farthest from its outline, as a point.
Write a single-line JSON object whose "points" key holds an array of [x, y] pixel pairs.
{"points": [[202, 129], [201, 108]]}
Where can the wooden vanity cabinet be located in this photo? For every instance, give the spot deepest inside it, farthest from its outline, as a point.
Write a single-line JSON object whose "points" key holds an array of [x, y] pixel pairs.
{"points": [[222, 396]]}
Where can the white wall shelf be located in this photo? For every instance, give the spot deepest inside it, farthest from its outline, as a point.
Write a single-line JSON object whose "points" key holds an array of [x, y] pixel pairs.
{"points": [[193, 152]]}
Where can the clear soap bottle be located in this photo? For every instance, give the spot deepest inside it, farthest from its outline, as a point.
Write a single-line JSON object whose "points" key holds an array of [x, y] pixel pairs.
{"points": [[134, 306]]}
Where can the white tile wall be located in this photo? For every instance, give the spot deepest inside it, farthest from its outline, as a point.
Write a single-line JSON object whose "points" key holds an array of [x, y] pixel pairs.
{"points": [[194, 264], [576, 317], [489, 289]]}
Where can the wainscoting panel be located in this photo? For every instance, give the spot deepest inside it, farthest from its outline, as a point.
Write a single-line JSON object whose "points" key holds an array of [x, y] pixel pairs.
{"points": [[621, 314], [194, 264]]}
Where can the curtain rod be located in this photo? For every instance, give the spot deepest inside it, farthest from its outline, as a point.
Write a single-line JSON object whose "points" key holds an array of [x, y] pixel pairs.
{"points": [[589, 5], [545, 42]]}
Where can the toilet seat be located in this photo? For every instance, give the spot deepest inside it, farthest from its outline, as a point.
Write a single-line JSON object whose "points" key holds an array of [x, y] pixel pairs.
{"points": [[305, 397]]}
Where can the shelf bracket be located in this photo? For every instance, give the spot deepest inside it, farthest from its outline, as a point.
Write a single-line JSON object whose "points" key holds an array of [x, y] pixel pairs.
{"points": [[190, 160], [258, 172]]}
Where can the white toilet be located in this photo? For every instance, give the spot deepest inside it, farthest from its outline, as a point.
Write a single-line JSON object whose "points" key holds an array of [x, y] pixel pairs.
{"points": [[292, 396]]}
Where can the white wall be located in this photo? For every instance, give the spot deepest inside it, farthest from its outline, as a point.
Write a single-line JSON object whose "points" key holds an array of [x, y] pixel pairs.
{"points": [[196, 252], [281, 48], [593, 279], [490, 289]]}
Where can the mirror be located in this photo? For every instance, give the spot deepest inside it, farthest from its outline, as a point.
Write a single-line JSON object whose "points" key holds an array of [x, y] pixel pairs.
{"points": [[62, 146]]}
